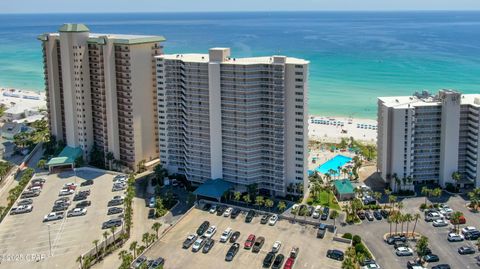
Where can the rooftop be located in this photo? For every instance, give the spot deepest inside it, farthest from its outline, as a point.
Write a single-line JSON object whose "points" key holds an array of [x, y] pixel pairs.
{"points": [[343, 186], [67, 156], [213, 188], [204, 58], [426, 99], [73, 27]]}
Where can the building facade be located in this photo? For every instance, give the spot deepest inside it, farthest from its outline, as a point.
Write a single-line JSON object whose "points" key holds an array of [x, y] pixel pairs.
{"points": [[101, 91], [426, 138], [243, 120]]}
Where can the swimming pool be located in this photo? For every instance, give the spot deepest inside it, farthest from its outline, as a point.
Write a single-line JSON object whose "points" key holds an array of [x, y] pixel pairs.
{"points": [[334, 163]]}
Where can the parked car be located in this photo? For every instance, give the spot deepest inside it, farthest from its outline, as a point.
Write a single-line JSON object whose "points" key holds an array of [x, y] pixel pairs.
{"points": [[65, 192], [211, 231], [277, 263], [114, 210], [189, 240], [139, 262], [249, 216], [441, 266], [431, 258], [276, 246], [77, 212], [21, 209], [38, 180], [112, 223], [226, 235], [59, 207], [151, 213], [221, 209], [384, 213], [462, 220], [399, 244], [151, 202], [203, 227], [454, 237], [369, 264], [439, 223], [116, 200], [392, 239], [208, 245], [53, 216], [25, 202], [289, 263], [234, 237], [79, 197], [264, 219], [472, 235], [468, 229], [199, 243], [404, 251], [335, 254], [294, 252], [377, 215], [361, 214], [268, 260], [369, 216], [83, 204], [235, 213], [249, 242], [322, 229], [465, 250], [258, 244], [213, 209], [232, 251], [228, 212], [29, 194], [157, 262], [273, 219], [87, 182]]}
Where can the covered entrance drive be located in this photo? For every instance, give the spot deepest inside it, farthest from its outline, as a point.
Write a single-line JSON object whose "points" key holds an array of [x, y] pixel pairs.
{"points": [[213, 189], [64, 160]]}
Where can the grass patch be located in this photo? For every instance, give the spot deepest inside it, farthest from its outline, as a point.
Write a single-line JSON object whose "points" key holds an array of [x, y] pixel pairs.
{"points": [[322, 199]]}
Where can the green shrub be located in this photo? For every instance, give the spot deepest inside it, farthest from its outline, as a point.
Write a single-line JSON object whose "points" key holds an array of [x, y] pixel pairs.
{"points": [[361, 249], [356, 240], [310, 201], [423, 206], [347, 236]]}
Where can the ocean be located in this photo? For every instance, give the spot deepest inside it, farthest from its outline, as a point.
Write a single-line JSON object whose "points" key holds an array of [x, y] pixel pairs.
{"points": [[355, 56]]}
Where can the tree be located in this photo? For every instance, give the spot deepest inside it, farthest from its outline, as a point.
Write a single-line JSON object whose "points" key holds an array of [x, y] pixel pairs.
{"points": [[408, 218], [146, 239], [259, 201], [41, 164], [422, 246], [160, 174], [112, 231], [268, 203], [456, 176], [474, 197], [377, 195], [334, 215], [141, 166], [110, 157], [237, 196], [392, 199], [80, 261], [247, 199], [133, 247], [456, 219], [390, 221], [95, 242], [97, 157], [426, 191], [156, 226], [105, 235], [416, 217], [252, 189], [281, 206]]}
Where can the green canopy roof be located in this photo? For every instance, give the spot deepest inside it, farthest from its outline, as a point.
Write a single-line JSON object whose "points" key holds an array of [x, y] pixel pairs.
{"points": [[67, 156], [343, 186], [74, 27], [213, 188]]}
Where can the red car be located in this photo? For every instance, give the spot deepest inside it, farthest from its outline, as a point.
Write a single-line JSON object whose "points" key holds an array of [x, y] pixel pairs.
{"points": [[250, 240], [461, 220], [289, 263]]}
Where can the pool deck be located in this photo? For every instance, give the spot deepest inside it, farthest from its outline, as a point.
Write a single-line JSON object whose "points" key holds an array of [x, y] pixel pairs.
{"points": [[324, 156]]}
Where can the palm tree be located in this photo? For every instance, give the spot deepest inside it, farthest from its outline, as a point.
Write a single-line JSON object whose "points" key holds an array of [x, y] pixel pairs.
{"points": [[109, 156], [417, 216], [156, 226], [456, 219], [133, 247], [456, 176], [426, 191], [377, 195], [247, 199], [112, 230], [334, 215], [259, 201], [41, 164], [281, 206], [105, 235], [268, 203], [237, 196], [95, 242], [392, 199], [408, 219], [390, 221], [396, 219], [80, 261], [146, 239]]}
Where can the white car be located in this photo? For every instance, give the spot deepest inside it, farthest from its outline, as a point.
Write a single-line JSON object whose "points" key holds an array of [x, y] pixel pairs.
{"points": [[198, 244], [228, 212], [226, 234], [63, 200], [53, 216], [64, 192], [213, 209], [119, 177], [468, 229], [77, 212], [454, 237], [404, 251], [68, 185], [211, 231], [276, 246], [440, 223], [446, 210], [371, 266], [273, 220], [21, 209], [433, 216], [295, 206]]}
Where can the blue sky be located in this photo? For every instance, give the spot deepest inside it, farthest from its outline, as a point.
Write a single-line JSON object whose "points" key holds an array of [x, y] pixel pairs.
{"points": [[78, 6]]}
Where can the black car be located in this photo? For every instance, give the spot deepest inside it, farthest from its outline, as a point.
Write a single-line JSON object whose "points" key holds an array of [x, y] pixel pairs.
{"points": [[277, 263], [79, 197], [221, 209], [157, 262], [59, 207], [250, 216], [258, 244], [441, 266], [207, 207], [112, 223], [377, 215], [431, 258], [235, 213], [29, 194], [85, 192], [151, 213], [335, 254], [361, 215], [83, 204], [203, 228], [398, 244], [87, 182], [324, 216], [466, 250], [114, 210], [25, 202], [264, 219], [115, 202], [232, 252], [369, 216], [321, 230], [208, 245], [472, 235], [392, 239], [310, 210], [384, 213], [234, 237], [267, 262]]}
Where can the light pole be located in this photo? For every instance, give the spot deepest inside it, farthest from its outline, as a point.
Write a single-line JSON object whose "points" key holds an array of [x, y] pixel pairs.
{"points": [[49, 239]]}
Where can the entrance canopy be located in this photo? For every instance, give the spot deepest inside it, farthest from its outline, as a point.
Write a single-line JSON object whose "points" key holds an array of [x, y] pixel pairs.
{"points": [[66, 158], [213, 188]]}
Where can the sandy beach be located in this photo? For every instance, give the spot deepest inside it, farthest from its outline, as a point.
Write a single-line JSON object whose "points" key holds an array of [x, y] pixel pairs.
{"points": [[26, 99], [332, 129]]}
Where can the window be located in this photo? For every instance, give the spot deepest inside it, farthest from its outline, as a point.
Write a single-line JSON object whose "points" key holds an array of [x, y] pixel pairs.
{"points": [[299, 93]]}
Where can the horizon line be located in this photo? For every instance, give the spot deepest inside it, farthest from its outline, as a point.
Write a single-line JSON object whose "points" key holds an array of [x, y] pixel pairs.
{"points": [[248, 11]]}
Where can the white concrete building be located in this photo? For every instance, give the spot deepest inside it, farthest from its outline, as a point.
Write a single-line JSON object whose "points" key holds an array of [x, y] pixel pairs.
{"points": [[243, 120], [426, 138], [101, 90]]}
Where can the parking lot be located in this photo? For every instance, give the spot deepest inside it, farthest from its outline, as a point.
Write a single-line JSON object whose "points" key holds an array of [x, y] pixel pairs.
{"points": [[25, 240], [372, 232], [312, 251]]}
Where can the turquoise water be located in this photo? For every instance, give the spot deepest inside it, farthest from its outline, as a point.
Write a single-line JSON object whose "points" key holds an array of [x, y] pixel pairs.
{"points": [[334, 163], [355, 56]]}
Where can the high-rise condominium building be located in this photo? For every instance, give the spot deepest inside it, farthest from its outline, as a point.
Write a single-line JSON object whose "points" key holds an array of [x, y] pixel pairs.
{"points": [[243, 120], [101, 90], [427, 138]]}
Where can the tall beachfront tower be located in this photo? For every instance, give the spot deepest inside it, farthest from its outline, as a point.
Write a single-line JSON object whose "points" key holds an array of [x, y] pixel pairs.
{"points": [[427, 138], [101, 89], [243, 120]]}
